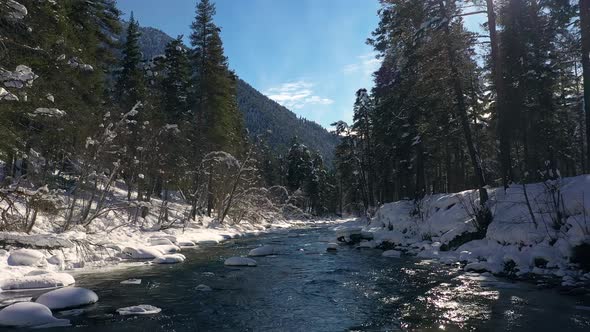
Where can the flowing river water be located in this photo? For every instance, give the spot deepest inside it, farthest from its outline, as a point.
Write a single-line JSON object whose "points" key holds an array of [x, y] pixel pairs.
{"points": [[305, 288]]}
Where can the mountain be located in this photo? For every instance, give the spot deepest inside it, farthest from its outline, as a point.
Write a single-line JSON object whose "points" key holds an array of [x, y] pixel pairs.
{"points": [[262, 116]]}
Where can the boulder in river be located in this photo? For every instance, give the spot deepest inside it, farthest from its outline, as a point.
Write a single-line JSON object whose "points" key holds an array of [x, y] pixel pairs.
{"points": [[67, 298], [29, 314], [240, 261], [142, 309], [262, 251]]}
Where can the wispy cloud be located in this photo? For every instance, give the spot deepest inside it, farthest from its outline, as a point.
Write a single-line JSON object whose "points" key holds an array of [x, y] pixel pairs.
{"points": [[366, 65], [297, 95]]}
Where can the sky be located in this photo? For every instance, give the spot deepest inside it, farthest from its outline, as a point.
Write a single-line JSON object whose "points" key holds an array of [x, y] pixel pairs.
{"points": [[308, 55]]}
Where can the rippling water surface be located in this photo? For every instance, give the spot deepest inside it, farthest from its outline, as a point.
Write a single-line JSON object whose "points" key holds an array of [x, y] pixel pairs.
{"points": [[305, 288]]}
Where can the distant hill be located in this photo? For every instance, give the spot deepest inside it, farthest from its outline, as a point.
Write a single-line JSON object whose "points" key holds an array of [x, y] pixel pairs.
{"points": [[261, 114]]}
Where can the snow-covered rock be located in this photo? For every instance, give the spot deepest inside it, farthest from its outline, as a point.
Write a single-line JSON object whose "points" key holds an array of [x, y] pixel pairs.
{"points": [[7, 95], [51, 112], [239, 261], [68, 297], [391, 253], [167, 248], [203, 288], [47, 280], [157, 241], [186, 243], [29, 314], [142, 252], [26, 257], [170, 259], [142, 309], [262, 251]]}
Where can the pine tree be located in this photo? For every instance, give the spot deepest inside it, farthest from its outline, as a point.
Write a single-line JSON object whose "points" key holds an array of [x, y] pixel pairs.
{"points": [[213, 98]]}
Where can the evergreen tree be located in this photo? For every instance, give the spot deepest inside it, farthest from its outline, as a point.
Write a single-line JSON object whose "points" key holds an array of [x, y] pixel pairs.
{"points": [[213, 98]]}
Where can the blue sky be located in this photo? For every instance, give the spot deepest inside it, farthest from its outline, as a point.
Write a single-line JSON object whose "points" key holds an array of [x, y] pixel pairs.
{"points": [[309, 55]]}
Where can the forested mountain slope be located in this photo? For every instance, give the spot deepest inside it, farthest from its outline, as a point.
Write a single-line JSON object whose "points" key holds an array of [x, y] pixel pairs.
{"points": [[262, 116]]}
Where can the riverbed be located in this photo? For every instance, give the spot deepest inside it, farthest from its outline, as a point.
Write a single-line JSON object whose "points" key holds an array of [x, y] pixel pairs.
{"points": [[305, 288]]}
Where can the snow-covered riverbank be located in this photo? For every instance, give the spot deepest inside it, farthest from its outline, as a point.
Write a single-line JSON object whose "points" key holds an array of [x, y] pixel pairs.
{"points": [[547, 239]]}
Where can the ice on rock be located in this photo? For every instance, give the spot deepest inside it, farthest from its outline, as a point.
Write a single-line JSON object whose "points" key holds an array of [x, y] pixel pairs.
{"points": [[391, 253], [47, 280], [262, 251], [26, 257], [203, 288], [142, 252], [170, 259], [67, 298], [29, 314], [131, 282], [240, 261], [142, 309]]}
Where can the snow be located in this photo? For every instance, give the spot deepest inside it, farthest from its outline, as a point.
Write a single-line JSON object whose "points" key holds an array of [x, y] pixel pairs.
{"points": [[47, 280], [167, 248], [239, 261], [26, 257], [6, 95], [51, 112], [203, 288], [513, 240], [160, 241], [391, 253], [29, 314], [142, 309], [170, 259], [142, 252], [67, 298], [262, 251]]}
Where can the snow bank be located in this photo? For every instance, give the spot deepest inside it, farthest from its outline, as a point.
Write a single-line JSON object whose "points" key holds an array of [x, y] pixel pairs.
{"points": [[262, 251], [167, 248], [516, 242], [67, 298], [239, 261], [142, 309], [29, 314], [26, 257], [47, 280]]}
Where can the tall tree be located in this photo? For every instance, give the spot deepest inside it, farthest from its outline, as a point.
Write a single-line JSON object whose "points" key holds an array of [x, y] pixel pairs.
{"points": [[214, 86], [585, 31]]}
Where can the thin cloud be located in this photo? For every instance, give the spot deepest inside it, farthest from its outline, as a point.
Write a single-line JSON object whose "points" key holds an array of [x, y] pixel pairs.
{"points": [[367, 64], [297, 95]]}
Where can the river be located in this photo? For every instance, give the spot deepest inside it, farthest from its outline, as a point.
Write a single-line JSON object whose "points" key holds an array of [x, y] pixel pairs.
{"points": [[304, 288]]}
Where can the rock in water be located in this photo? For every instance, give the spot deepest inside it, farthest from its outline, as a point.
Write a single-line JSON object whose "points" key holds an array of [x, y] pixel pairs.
{"points": [[142, 309], [262, 251], [131, 282], [67, 298], [25, 257], [391, 253], [203, 288], [170, 259], [332, 247], [240, 261], [29, 314]]}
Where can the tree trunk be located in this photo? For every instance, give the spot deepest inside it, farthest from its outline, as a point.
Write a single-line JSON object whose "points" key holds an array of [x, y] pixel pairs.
{"points": [[585, 30], [502, 130], [464, 119]]}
